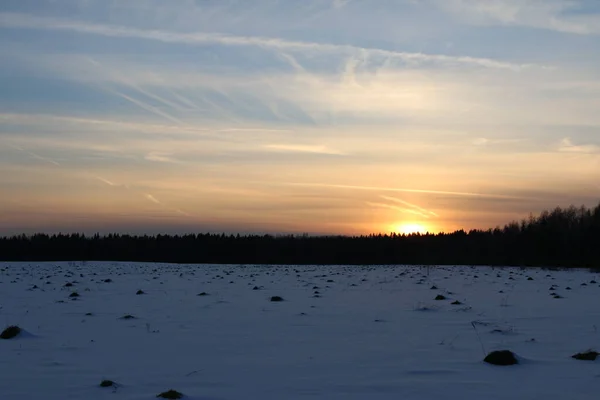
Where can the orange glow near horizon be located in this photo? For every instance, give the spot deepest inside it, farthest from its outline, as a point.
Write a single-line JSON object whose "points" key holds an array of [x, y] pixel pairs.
{"points": [[410, 228]]}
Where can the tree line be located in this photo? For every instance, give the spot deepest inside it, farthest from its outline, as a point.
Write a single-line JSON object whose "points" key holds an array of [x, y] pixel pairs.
{"points": [[563, 237]]}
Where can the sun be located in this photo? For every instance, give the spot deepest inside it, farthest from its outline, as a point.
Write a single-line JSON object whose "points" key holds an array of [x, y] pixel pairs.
{"points": [[409, 228]]}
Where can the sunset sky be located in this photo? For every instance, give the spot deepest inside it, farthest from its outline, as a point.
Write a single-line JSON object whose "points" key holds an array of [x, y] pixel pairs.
{"points": [[292, 116]]}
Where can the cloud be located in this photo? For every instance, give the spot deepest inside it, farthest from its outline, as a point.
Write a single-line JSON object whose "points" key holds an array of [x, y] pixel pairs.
{"points": [[35, 155], [337, 4], [481, 141], [566, 145], [26, 21], [144, 106], [401, 209], [109, 183], [152, 198], [391, 189], [358, 91], [161, 157], [406, 203], [553, 15], [298, 148]]}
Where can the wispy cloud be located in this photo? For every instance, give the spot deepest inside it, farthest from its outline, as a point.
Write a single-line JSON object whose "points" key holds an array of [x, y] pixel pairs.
{"points": [[554, 15], [407, 190], [340, 3], [149, 197], [41, 121], [35, 155], [481, 141], [406, 203], [567, 145], [298, 148], [401, 209], [152, 198], [25, 21], [109, 183], [161, 157], [144, 106]]}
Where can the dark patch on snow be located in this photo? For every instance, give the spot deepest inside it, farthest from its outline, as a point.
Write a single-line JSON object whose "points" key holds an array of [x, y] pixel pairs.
{"points": [[10, 332], [171, 394], [501, 357], [589, 355]]}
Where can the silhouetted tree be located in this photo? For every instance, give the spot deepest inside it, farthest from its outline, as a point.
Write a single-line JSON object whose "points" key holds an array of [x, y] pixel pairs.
{"points": [[563, 237]]}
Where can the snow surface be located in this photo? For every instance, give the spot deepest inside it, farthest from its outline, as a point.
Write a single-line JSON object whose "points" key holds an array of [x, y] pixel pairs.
{"points": [[375, 332]]}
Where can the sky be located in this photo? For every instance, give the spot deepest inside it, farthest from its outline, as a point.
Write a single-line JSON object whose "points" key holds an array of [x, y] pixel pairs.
{"points": [[295, 116]]}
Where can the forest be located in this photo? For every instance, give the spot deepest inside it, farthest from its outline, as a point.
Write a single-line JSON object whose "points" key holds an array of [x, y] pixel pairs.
{"points": [[562, 237]]}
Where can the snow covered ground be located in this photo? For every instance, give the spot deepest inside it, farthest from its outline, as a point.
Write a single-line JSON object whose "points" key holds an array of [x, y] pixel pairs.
{"points": [[374, 332]]}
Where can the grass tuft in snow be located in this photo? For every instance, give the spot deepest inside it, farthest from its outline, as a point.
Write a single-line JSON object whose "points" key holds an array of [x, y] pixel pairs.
{"points": [[10, 332], [140, 292], [171, 394], [107, 383], [276, 298], [127, 316], [425, 307], [501, 357], [74, 294], [203, 294], [589, 355], [440, 297]]}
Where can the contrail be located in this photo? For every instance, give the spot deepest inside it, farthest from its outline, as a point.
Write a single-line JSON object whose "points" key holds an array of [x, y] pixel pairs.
{"points": [[392, 207], [156, 201], [152, 199], [406, 190], [145, 106], [147, 196], [26, 21], [36, 156], [406, 203], [109, 183]]}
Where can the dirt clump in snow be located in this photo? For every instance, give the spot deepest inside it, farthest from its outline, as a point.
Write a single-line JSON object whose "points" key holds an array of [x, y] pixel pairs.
{"points": [[10, 332], [171, 394], [589, 355], [501, 357]]}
